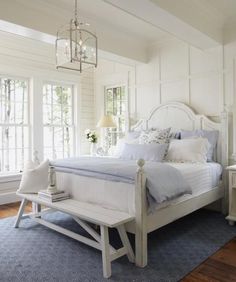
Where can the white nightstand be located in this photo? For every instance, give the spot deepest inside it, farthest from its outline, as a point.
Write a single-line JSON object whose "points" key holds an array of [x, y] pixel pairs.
{"points": [[232, 195]]}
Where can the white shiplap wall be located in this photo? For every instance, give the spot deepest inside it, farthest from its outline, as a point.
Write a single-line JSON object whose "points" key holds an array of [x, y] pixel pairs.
{"points": [[87, 116], [35, 60]]}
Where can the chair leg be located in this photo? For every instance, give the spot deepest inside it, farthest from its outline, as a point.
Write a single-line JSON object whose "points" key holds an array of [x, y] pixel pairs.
{"points": [[126, 243], [20, 212], [106, 261]]}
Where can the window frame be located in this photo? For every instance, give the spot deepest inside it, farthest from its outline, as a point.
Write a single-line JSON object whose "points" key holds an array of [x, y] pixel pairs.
{"points": [[24, 125], [126, 114], [74, 113], [35, 115]]}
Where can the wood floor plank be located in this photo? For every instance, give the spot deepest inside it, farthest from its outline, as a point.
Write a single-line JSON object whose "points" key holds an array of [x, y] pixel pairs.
{"points": [[221, 266], [198, 277], [226, 256], [219, 270], [12, 209], [231, 245]]}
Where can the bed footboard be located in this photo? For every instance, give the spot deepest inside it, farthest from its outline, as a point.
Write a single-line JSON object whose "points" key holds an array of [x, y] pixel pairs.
{"points": [[140, 216]]}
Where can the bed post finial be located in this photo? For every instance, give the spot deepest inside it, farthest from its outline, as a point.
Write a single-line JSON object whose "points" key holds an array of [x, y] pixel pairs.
{"points": [[141, 163]]}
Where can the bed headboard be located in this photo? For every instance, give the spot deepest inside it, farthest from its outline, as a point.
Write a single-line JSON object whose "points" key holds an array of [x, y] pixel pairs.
{"points": [[180, 116]]}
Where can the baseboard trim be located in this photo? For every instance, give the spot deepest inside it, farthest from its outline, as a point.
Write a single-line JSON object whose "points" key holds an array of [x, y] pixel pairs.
{"points": [[7, 198]]}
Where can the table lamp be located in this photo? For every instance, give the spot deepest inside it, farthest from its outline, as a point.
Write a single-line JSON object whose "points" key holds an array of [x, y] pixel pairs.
{"points": [[106, 122]]}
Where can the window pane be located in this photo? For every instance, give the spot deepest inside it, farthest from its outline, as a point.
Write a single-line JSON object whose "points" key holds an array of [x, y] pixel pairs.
{"points": [[47, 94], [48, 153], [47, 115], [58, 153], [48, 137], [58, 112], [68, 141], [58, 136], [115, 104], [14, 129]]}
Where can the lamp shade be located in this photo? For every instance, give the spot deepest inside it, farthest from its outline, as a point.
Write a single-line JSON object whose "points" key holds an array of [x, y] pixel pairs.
{"points": [[106, 121]]}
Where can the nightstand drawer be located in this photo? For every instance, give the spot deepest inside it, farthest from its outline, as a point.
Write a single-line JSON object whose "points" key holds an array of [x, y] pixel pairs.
{"points": [[232, 195]]}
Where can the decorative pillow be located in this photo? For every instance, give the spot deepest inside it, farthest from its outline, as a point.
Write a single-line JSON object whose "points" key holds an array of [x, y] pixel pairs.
{"points": [[34, 179], [148, 152], [159, 136], [211, 135], [188, 150], [174, 134]]}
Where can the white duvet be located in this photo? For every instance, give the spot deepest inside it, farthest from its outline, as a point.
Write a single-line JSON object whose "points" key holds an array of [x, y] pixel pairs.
{"points": [[201, 178]]}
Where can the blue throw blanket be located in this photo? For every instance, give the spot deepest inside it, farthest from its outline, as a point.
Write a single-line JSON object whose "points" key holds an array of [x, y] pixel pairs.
{"points": [[163, 181]]}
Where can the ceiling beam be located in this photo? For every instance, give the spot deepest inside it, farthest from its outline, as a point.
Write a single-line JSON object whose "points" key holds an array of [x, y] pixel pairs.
{"points": [[23, 18], [50, 39], [160, 18]]}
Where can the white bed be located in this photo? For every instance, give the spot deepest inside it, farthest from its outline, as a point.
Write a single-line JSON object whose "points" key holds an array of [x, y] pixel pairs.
{"points": [[121, 196], [132, 198]]}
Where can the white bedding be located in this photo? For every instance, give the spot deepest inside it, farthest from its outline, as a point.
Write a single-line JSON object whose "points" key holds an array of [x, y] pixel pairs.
{"points": [[201, 177]]}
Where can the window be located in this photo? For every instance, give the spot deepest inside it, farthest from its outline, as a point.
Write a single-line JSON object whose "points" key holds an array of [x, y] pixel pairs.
{"points": [[58, 121], [14, 124], [115, 104]]}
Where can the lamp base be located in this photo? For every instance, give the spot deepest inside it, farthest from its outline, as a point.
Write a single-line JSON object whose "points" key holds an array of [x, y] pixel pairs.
{"points": [[52, 189]]}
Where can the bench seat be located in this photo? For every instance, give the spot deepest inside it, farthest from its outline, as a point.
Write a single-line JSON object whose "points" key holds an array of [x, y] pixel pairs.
{"points": [[87, 211], [84, 213]]}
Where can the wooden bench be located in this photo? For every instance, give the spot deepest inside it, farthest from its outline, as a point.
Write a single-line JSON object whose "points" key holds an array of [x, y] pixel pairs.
{"points": [[82, 213]]}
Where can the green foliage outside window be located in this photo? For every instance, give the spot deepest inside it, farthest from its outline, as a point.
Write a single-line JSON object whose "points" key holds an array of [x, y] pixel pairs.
{"points": [[115, 104]]}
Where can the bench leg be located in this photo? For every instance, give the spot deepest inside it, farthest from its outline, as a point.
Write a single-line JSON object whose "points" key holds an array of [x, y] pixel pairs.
{"points": [[106, 261], [126, 243], [36, 208], [20, 212]]}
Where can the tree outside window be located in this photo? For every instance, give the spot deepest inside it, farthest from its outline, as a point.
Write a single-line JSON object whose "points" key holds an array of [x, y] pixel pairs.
{"points": [[14, 124], [115, 104], [58, 121]]}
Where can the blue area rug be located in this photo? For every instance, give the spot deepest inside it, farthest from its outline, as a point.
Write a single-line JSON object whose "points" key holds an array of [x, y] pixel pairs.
{"points": [[34, 253]]}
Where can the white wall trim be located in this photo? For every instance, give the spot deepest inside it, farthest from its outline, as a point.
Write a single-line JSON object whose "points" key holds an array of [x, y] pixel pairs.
{"points": [[8, 198]]}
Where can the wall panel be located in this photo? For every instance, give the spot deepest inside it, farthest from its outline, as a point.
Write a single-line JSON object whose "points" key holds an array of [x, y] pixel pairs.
{"points": [[175, 91], [205, 95], [173, 60], [203, 79], [147, 98]]}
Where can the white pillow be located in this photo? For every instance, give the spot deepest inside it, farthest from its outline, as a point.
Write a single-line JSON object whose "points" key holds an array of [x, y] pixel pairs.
{"points": [[34, 179], [120, 145], [148, 152], [188, 150]]}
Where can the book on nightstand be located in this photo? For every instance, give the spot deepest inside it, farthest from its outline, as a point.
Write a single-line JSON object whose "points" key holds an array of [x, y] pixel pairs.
{"points": [[53, 197]]}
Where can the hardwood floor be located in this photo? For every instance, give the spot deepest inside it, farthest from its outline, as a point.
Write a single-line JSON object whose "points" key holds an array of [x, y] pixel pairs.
{"points": [[12, 209], [220, 267]]}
